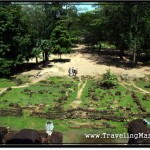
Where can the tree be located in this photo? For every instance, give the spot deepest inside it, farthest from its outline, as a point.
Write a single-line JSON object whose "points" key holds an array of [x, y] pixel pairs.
{"points": [[60, 39], [87, 30], [37, 21], [15, 40], [42, 18], [139, 28], [71, 18], [36, 53], [126, 25], [114, 23], [45, 47]]}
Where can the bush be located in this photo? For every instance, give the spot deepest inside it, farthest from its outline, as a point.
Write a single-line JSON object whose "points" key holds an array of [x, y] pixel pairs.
{"points": [[44, 82], [14, 105], [26, 90], [9, 88], [109, 80]]}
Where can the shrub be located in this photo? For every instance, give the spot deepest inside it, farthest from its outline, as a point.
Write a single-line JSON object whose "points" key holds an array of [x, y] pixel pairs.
{"points": [[26, 90], [43, 81], [62, 91], [146, 97], [9, 88], [109, 80], [19, 81], [15, 105]]}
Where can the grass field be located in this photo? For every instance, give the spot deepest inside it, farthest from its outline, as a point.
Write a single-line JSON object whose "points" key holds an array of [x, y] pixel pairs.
{"points": [[142, 84], [45, 92], [63, 90], [4, 83]]}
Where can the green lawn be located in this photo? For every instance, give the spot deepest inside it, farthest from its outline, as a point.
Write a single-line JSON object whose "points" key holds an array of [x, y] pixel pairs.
{"points": [[142, 84], [4, 83], [105, 98], [45, 92]]}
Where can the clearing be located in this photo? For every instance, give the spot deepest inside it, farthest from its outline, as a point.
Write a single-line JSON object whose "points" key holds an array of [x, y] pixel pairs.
{"points": [[77, 105], [87, 64]]}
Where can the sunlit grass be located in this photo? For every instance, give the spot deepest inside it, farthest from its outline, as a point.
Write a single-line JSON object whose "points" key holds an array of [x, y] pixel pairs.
{"points": [[4, 83]]}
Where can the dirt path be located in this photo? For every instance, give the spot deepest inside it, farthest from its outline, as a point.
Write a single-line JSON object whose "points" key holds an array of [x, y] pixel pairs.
{"points": [[77, 101], [3, 90], [25, 85], [142, 90], [138, 89], [81, 89]]}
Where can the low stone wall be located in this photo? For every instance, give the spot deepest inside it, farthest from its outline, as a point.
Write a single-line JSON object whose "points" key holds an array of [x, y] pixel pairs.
{"points": [[77, 113], [107, 117], [11, 112], [49, 115], [137, 101], [90, 110]]}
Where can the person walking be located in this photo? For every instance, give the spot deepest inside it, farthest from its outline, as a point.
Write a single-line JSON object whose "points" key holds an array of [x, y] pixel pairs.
{"points": [[70, 71]]}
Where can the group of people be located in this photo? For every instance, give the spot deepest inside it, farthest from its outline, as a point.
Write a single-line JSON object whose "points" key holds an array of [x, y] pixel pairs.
{"points": [[72, 71]]}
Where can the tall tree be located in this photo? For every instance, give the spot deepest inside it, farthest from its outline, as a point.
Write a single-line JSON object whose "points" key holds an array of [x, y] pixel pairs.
{"points": [[15, 40], [140, 18], [71, 18], [60, 39]]}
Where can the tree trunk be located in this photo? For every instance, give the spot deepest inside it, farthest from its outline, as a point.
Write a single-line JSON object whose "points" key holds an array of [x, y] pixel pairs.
{"points": [[134, 62], [43, 56], [37, 62], [46, 56], [121, 53]]}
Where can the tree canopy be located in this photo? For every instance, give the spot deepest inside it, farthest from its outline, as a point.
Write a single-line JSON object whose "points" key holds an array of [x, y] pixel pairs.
{"points": [[60, 39], [36, 28], [15, 38]]}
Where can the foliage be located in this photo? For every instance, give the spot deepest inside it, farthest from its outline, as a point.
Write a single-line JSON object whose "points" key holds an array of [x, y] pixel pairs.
{"points": [[87, 29], [109, 80], [15, 39], [6, 66], [45, 45], [125, 25], [36, 51], [60, 39], [34, 28]]}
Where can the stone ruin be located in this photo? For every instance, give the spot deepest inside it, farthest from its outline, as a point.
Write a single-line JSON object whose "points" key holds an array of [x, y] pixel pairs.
{"points": [[134, 128], [29, 136], [11, 112]]}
